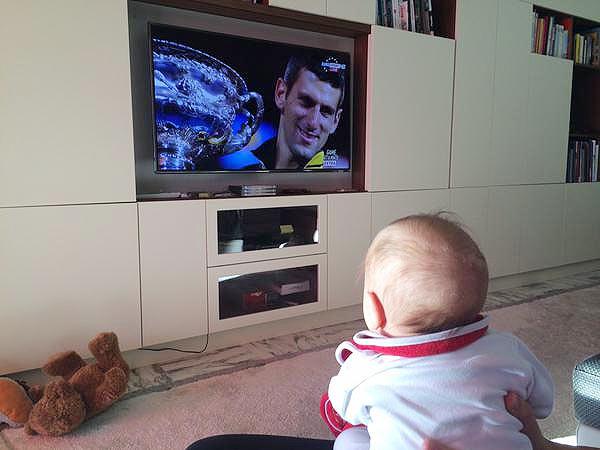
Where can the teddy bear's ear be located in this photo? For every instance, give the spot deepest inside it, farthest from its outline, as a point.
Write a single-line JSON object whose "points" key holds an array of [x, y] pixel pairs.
{"points": [[15, 404]]}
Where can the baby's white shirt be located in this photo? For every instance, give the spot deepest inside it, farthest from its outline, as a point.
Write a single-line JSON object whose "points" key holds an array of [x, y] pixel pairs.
{"points": [[456, 396]]}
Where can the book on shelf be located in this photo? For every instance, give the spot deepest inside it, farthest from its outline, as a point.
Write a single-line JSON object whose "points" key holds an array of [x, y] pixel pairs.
{"points": [[551, 35], [582, 161], [409, 15], [587, 47]]}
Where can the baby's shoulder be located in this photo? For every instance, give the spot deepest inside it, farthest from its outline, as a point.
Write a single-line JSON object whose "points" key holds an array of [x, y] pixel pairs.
{"points": [[501, 343]]}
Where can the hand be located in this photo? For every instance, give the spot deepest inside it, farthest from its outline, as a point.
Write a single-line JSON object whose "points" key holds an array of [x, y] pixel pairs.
{"points": [[519, 408], [522, 411]]}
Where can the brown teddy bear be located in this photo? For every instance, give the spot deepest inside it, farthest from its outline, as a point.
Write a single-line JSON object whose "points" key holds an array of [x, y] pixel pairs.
{"points": [[83, 391]]}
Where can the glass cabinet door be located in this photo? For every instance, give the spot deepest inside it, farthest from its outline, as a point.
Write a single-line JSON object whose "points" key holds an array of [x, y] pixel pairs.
{"points": [[264, 291], [241, 230], [248, 294]]}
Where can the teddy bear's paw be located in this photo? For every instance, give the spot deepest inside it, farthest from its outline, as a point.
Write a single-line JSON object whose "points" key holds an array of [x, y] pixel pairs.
{"points": [[59, 411], [63, 364], [105, 348]]}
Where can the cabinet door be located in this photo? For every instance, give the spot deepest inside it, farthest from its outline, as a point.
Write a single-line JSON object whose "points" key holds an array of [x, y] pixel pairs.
{"points": [[66, 129], [68, 273], [309, 6], [389, 206], [349, 233], [473, 92], [504, 230], [248, 294], [542, 227], [173, 270], [582, 222], [356, 10], [549, 108], [411, 110], [471, 207], [254, 229], [510, 127]]}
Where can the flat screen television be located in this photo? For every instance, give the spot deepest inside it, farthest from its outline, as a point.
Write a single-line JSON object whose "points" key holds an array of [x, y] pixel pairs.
{"points": [[227, 103]]}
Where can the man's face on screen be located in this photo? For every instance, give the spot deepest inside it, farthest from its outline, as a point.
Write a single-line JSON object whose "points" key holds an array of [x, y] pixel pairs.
{"points": [[308, 112]]}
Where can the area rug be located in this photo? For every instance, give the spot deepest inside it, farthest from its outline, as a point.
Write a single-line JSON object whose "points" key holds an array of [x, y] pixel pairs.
{"points": [[274, 386]]}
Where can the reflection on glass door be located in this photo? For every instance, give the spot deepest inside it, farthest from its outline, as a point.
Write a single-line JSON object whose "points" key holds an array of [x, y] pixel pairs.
{"points": [[265, 291], [241, 230]]}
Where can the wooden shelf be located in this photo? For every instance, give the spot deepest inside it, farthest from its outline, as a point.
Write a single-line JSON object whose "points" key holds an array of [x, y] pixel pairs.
{"points": [[587, 67], [272, 15], [262, 13], [584, 136]]}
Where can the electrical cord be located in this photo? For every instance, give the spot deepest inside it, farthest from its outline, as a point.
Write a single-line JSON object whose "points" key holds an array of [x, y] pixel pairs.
{"points": [[178, 349]]}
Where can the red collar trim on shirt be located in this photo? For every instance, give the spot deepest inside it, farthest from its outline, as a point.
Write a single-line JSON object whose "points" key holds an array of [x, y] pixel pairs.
{"points": [[427, 348]]}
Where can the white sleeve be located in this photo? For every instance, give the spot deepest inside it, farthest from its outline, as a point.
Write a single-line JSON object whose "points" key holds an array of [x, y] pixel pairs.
{"points": [[355, 438], [540, 391]]}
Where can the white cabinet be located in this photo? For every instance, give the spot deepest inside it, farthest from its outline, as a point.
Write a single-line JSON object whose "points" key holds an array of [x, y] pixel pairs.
{"points": [[248, 294], [582, 222], [511, 107], [542, 231], [471, 207], [173, 270], [389, 206], [504, 230], [549, 106], [263, 219], [410, 112], [309, 6], [356, 10], [473, 92], [66, 133], [349, 236], [68, 273], [510, 127]]}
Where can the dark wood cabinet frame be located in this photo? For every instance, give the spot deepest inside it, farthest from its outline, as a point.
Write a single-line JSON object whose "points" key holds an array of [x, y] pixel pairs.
{"points": [[310, 22]]}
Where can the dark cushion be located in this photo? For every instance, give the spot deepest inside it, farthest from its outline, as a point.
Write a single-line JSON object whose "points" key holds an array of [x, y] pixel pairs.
{"points": [[586, 391]]}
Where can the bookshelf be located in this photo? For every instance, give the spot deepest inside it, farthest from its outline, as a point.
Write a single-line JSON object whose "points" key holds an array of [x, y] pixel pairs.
{"points": [[578, 39], [584, 131], [435, 17]]}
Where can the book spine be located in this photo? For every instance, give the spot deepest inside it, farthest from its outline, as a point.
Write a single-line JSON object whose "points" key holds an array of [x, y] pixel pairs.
{"points": [[549, 36], [540, 34], [544, 36], [430, 17], [411, 12], [534, 31], [418, 24], [425, 16], [404, 15], [390, 13], [569, 162]]}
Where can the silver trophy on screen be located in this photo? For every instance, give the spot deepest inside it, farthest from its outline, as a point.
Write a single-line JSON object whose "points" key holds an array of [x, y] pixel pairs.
{"points": [[202, 107]]}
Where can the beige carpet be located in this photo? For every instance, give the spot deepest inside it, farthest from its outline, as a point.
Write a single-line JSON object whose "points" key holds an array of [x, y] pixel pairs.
{"points": [[282, 396]]}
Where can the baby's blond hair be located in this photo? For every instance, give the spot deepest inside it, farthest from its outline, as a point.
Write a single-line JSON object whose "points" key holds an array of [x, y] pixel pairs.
{"points": [[428, 272]]}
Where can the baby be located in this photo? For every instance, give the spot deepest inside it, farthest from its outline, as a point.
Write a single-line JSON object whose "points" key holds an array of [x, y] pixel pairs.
{"points": [[429, 367]]}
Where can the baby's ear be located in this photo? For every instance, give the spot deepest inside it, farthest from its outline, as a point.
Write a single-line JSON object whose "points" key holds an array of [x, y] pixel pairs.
{"points": [[374, 312]]}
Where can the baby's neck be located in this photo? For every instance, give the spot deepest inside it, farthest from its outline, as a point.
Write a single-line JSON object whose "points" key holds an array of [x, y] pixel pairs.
{"points": [[407, 330]]}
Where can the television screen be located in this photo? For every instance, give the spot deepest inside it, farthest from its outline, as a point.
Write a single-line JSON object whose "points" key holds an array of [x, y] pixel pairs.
{"points": [[228, 103]]}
